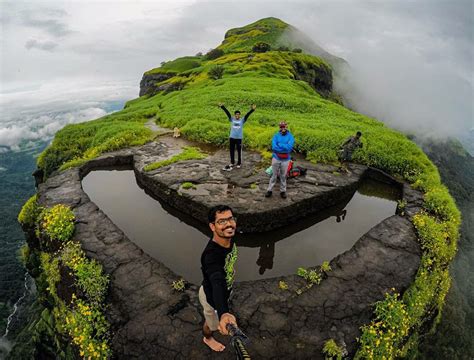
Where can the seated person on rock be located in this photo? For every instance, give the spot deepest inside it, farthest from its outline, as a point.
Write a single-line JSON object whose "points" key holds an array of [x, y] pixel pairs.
{"points": [[347, 148], [217, 265], [236, 135], [282, 146]]}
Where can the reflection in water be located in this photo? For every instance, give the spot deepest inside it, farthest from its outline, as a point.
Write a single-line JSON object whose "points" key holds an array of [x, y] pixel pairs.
{"points": [[265, 257], [177, 240], [341, 215]]}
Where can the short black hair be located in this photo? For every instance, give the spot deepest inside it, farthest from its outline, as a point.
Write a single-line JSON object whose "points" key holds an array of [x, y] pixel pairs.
{"points": [[236, 112], [211, 216], [359, 133]]}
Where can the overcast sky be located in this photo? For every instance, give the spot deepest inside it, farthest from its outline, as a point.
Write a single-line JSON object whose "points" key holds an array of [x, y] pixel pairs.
{"points": [[63, 62]]}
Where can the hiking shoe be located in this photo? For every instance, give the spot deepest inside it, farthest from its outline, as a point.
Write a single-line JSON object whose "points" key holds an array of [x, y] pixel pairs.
{"points": [[228, 167], [268, 194], [238, 166], [283, 194]]}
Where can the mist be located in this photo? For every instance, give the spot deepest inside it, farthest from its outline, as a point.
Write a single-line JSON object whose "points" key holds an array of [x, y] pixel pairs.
{"points": [[410, 63]]}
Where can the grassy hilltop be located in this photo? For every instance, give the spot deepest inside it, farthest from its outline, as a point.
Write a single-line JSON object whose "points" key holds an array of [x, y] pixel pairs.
{"points": [[258, 64]]}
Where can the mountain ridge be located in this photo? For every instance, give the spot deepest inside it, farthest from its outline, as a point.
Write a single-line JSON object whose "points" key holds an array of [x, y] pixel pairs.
{"points": [[187, 97]]}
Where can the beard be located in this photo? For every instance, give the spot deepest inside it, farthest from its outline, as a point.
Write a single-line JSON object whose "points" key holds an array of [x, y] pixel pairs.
{"points": [[227, 233]]}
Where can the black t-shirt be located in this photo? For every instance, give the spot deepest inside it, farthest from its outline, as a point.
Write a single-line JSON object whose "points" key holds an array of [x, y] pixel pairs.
{"points": [[217, 265]]}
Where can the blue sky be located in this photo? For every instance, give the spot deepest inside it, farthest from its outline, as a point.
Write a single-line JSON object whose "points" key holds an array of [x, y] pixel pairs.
{"points": [[63, 62]]}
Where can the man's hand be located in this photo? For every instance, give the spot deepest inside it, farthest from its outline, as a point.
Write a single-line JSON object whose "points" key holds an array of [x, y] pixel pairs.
{"points": [[220, 104], [226, 318], [254, 106]]}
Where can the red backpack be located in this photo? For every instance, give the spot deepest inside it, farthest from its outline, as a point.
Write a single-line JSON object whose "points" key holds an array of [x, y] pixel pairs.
{"points": [[294, 171]]}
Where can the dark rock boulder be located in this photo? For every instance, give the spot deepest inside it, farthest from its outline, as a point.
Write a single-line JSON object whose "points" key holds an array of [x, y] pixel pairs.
{"points": [[319, 77], [148, 84]]}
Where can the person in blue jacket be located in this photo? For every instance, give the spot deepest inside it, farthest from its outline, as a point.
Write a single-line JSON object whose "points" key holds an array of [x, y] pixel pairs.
{"points": [[282, 145], [236, 135]]}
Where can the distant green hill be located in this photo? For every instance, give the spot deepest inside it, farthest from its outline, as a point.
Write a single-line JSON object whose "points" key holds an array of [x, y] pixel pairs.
{"points": [[262, 63]]}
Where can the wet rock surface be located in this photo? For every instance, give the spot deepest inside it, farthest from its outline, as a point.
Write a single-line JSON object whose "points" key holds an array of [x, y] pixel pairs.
{"points": [[243, 189], [152, 321]]}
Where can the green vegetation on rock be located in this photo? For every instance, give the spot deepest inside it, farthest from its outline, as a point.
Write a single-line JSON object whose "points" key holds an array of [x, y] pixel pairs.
{"points": [[178, 65], [188, 153], [268, 30], [73, 313], [332, 351], [57, 222], [29, 212], [188, 185], [178, 285], [75, 144]]}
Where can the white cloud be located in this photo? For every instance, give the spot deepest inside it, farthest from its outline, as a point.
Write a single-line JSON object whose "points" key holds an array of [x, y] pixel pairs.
{"points": [[43, 127]]}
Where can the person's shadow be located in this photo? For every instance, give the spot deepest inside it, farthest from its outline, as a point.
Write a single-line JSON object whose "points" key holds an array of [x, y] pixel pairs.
{"points": [[341, 216], [265, 257]]}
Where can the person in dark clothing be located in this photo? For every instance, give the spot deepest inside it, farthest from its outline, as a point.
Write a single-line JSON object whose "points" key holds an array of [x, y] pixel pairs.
{"points": [[265, 257], [347, 148], [236, 135], [217, 265]]}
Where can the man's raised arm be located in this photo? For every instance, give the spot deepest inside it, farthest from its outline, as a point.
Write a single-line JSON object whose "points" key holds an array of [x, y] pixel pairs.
{"points": [[252, 109], [221, 105]]}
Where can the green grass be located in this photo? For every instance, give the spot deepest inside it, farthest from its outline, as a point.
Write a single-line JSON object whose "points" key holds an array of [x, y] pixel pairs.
{"points": [[267, 30], [188, 185], [188, 153], [178, 65], [75, 144]]}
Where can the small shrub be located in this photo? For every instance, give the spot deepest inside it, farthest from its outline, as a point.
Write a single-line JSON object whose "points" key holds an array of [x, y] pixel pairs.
{"points": [[29, 212], [261, 47], [382, 338], [325, 267], [57, 222], [214, 54], [332, 351], [88, 329], [178, 285], [50, 266], [216, 72], [91, 280], [302, 272], [297, 50], [282, 285], [312, 276], [283, 48], [89, 273], [188, 185], [401, 205]]}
